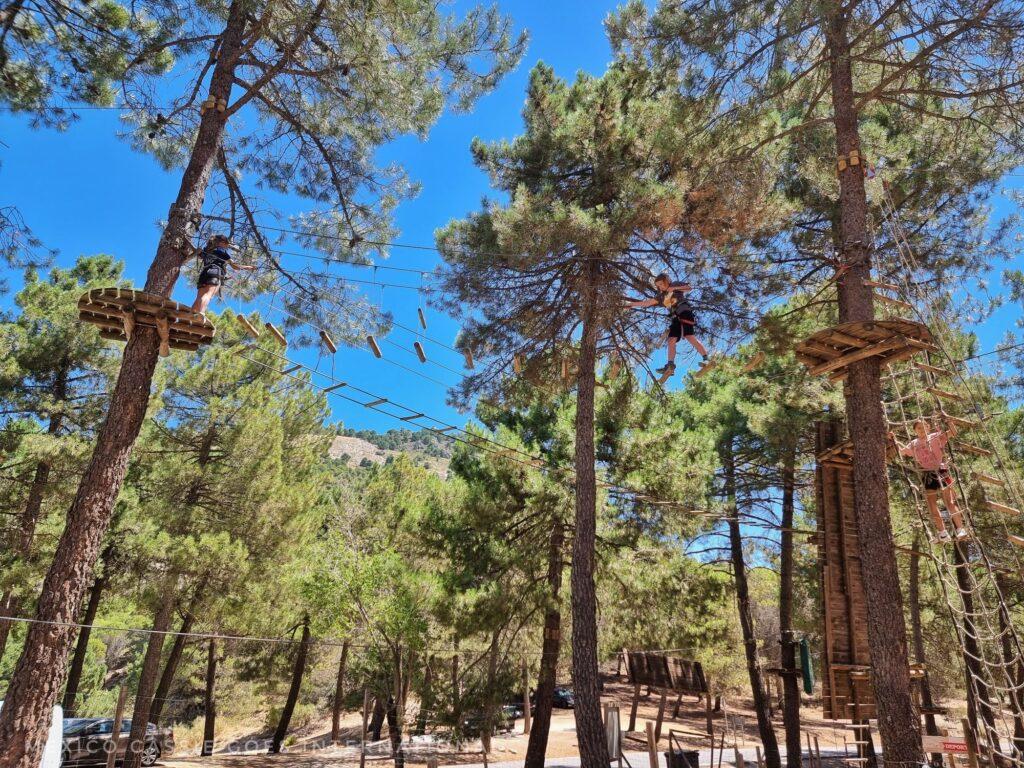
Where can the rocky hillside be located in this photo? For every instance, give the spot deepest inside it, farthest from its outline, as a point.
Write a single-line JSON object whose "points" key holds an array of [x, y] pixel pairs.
{"points": [[364, 447]]}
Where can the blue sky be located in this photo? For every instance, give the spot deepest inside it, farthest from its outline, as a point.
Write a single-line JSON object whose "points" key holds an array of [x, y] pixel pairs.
{"points": [[85, 191]]}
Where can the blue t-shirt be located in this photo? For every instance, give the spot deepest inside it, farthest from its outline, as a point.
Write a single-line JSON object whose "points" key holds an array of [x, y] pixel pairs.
{"points": [[215, 258]]}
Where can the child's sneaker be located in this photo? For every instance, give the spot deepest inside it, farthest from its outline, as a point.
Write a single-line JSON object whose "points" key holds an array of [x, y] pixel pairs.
{"points": [[668, 368], [961, 533], [943, 537]]}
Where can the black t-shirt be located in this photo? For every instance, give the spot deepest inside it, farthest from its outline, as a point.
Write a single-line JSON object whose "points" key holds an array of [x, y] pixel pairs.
{"points": [[675, 300], [215, 258]]}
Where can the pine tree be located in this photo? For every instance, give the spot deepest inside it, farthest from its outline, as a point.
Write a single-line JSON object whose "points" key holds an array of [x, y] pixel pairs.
{"points": [[321, 85], [781, 68], [604, 184]]}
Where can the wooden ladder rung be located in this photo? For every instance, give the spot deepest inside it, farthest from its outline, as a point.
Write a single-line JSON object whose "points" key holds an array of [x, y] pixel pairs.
{"points": [[933, 369], [960, 422], [894, 302], [997, 507], [976, 450], [981, 477], [941, 393]]}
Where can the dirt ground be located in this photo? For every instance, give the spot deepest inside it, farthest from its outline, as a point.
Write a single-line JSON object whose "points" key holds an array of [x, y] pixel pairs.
{"points": [[736, 722]]}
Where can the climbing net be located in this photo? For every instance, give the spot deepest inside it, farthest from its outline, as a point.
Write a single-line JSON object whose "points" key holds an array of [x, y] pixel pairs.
{"points": [[973, 575]]}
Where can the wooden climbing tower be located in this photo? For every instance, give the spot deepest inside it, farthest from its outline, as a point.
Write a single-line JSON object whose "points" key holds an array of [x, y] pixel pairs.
{"points": [[846, 685]]}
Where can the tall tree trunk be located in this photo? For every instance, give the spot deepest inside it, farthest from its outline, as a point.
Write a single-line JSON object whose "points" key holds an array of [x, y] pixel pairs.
{"points": [[899, 726], [147, 681], [979, 701], [298, 672], [210, 701], [35, 685], [739, 571], [395, 709], [536, 750], [492, 671], [456, 688], [426, 697], [589, 727], [790, 673], [339, 696], [917, 633], [71, 692], [171, 667], [377, 719]]}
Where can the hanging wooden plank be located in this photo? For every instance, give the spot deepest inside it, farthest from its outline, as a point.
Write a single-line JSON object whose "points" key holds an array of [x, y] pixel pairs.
{"points": [[374, 347], [893, 302], [375, 403], [995, 506], [517, 363], [976, 450], [944, 394], [423, 318], [419, 351], [251, 329], [981, 477], [932, 369], [328, 341], [276, 334]]}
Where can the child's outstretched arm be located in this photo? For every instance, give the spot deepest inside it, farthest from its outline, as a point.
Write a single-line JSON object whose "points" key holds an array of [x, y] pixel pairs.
{"points": [[903, 450], [641, 303]]}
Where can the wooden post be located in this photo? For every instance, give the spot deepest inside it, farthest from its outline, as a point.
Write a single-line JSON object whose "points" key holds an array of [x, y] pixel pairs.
{"points": [[740, 762], [632, 709], [817, 751], [527, 715], [652, 745], [972, 744], [115, 734], [810, 752], [661, 715], [362, 732], [679, 703], [760, 757]]}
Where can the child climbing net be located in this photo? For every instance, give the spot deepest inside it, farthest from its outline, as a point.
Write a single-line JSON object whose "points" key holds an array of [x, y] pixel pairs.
{"points": [[682, 321], [927, 450]]}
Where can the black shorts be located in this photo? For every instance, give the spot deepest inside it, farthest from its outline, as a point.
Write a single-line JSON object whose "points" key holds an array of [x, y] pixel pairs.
{"points": [[683, 324], [937, 480], [210, 276]]}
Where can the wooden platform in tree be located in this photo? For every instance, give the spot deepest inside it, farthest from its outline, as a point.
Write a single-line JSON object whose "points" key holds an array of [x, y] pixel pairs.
{"points": [[118, 311], [831, 351]]}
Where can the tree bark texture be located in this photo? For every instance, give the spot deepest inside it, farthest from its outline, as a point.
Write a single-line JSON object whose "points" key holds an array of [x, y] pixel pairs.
{"points": [[163, 688], [790, 676], [298, 672], [148, 681], [917, 635]]}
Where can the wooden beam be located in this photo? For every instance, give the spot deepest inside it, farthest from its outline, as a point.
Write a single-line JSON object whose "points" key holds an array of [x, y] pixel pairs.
{"points": [[861, 354], [276, 334], [885, 286], [894, 302], [976, 450], [942, 393], [251, 329], [328, 342], [933, 369], [374, 347], [419, 351]]}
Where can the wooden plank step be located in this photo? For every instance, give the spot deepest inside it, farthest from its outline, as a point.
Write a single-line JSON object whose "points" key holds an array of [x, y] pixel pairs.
{"points": [[932, 369], [981, 477], [995, 506], [976, 450], [944, 394], [894, 302]]}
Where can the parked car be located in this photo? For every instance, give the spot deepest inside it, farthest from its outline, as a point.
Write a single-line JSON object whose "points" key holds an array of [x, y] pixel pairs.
{"points": [[561, 698], [564, 698], [87, 741]]}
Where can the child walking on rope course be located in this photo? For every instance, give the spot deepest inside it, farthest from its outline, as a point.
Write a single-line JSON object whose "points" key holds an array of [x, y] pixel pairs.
{"points": [[682, 322], [216, 258], [927, 450]]}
